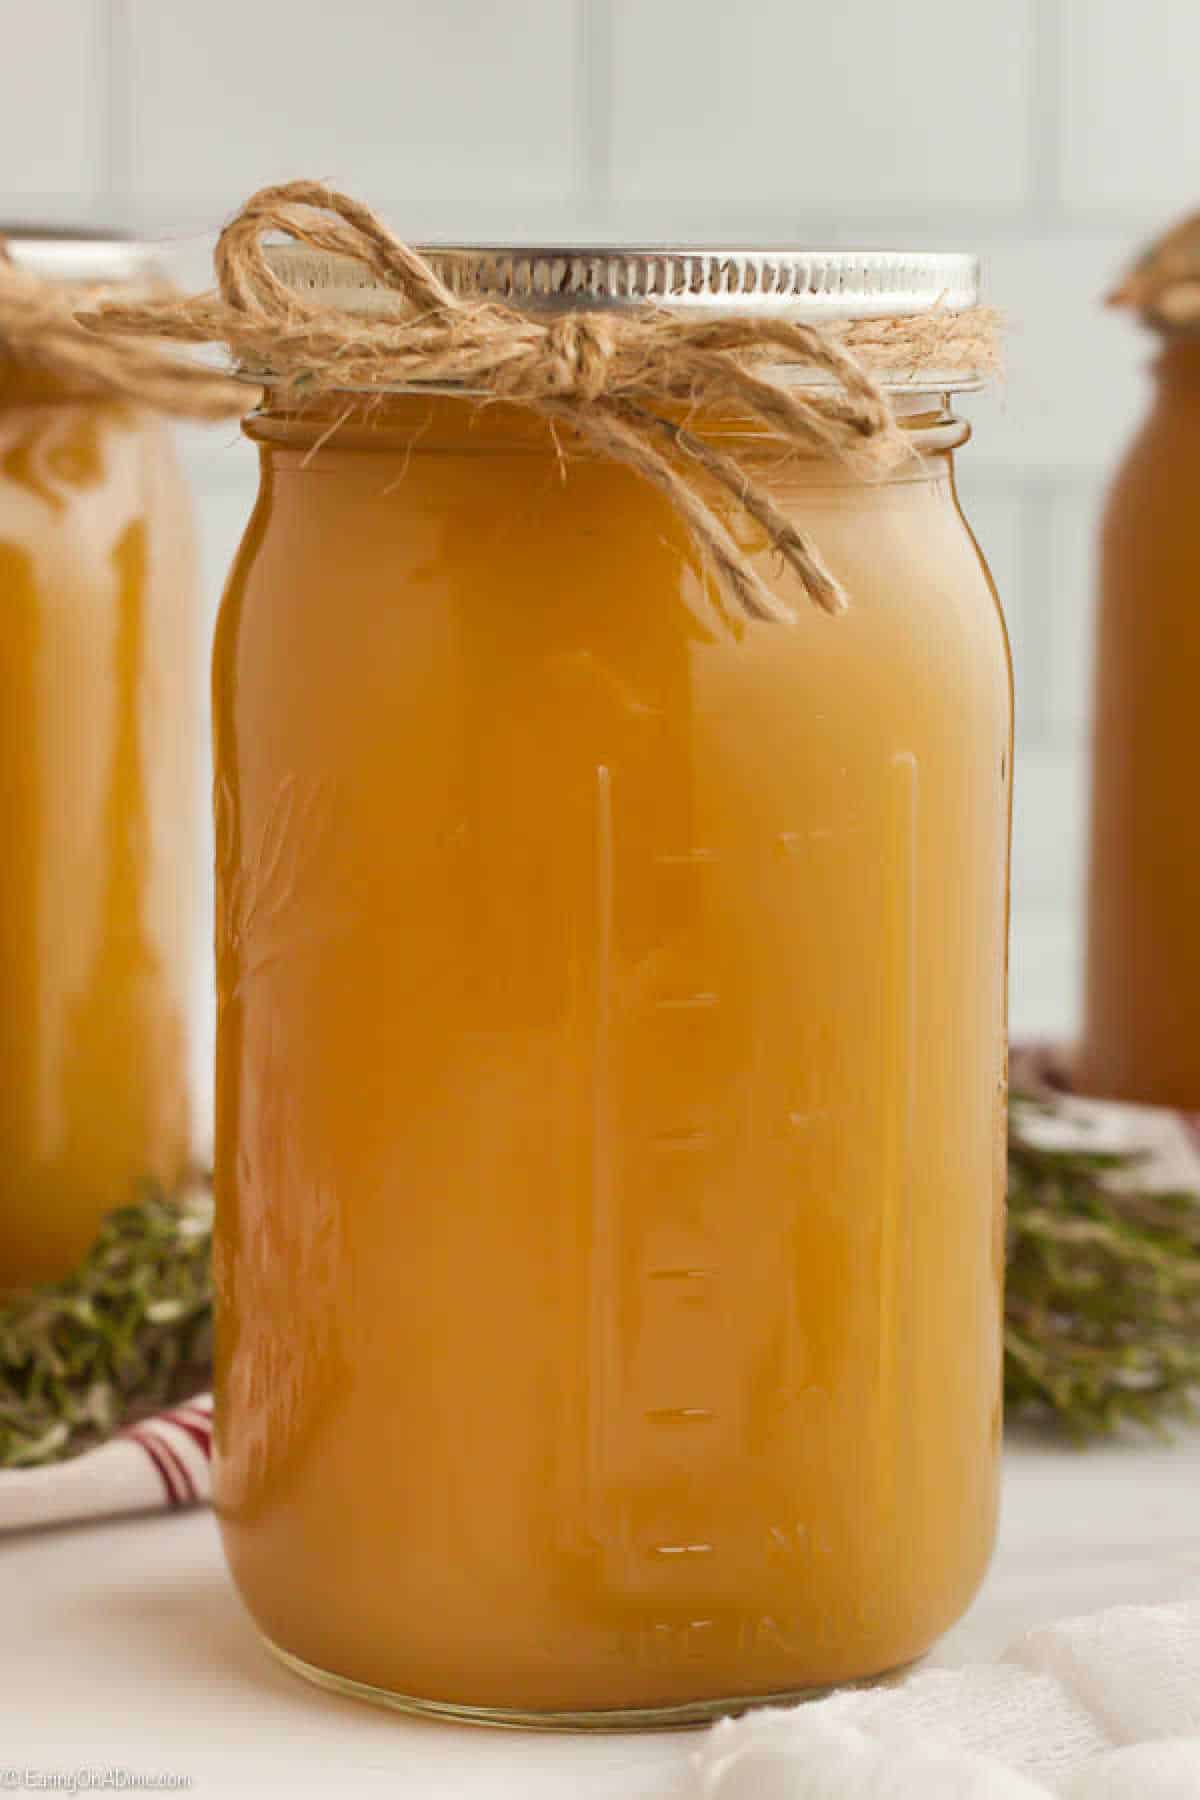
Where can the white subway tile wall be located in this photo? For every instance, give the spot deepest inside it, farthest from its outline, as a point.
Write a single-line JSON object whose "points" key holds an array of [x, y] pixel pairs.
{"points": [[1052, 135], [819, 114], [1130, 124], [54, 154], [456, 104]]}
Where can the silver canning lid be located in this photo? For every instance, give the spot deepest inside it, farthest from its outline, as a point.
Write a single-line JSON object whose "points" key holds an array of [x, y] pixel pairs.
{"points": [[93, 258], [787, 283], [808, 285]]}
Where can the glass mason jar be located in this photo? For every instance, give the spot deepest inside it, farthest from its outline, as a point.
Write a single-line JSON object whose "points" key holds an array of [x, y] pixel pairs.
{"points": [[611, 1069], [96, 748], [1141, 1038]]}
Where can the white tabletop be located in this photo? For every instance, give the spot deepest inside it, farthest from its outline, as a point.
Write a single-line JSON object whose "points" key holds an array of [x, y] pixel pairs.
{"points": [[124, 1646]]}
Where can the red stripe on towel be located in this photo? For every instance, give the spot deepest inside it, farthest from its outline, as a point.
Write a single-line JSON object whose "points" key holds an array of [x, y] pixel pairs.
{"points": [[154, 1451], [196, 1425], [183, 1474]]}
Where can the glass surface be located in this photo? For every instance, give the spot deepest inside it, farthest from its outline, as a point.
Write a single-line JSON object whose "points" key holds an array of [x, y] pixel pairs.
{"points": [[610, 1119], [96, 778], [1141, 1038]]}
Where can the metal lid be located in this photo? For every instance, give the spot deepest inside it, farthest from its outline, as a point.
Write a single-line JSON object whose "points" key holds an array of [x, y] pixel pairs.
{"points": [[788, 283], [93, 258]]}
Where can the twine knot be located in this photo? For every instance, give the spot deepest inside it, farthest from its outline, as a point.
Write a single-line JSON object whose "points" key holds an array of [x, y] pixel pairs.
{"points": [[578, 355], [621, 381]]}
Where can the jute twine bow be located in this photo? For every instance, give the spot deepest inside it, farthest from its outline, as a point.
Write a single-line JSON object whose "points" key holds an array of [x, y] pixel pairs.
{"points": [[40, 327], [617, 378]]}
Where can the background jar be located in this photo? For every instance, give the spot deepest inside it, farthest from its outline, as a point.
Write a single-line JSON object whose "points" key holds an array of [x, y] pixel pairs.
{"points": [[97, 776], [611, 1053], [1141, 1035]]}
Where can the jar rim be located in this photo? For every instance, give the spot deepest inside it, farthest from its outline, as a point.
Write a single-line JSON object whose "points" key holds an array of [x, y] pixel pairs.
{"points": [[79, 254]]}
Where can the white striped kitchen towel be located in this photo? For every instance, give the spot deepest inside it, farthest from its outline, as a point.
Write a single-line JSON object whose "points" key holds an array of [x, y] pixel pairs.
{"points": [[160, 1462]]}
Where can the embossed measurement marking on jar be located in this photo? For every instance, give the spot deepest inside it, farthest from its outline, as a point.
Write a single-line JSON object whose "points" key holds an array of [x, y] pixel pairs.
{"points": [[685, 1139], [651, 1251], [897, 1177], [680, 1415], [604, 1272], [665, 1643], [657, 1642]]}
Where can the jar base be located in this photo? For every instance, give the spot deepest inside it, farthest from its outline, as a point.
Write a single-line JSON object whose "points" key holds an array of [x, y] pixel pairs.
{"points": [[690, 1715]]}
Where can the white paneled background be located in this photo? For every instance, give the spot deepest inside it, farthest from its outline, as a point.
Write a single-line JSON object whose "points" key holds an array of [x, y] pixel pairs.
{"points": [[1052, 135]]}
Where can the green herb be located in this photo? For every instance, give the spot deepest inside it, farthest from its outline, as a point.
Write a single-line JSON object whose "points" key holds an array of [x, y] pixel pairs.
{"points": [[1102, 1320], [129, 1331], [1102, 1317]]}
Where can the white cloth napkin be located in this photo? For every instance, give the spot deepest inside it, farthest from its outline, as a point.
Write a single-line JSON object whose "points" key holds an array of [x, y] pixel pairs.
{"points": [[1105, 1707], [161, 1462], [1166, 1142]]}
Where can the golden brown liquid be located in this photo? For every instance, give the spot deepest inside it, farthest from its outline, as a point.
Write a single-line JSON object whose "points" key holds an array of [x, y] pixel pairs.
{"points": [[95, 785], [1142, 1011], [610, 1076]]}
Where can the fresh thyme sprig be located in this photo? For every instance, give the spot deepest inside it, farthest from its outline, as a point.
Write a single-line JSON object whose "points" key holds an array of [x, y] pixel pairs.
{"points": [[129, 1331], [1102, 1316]]}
